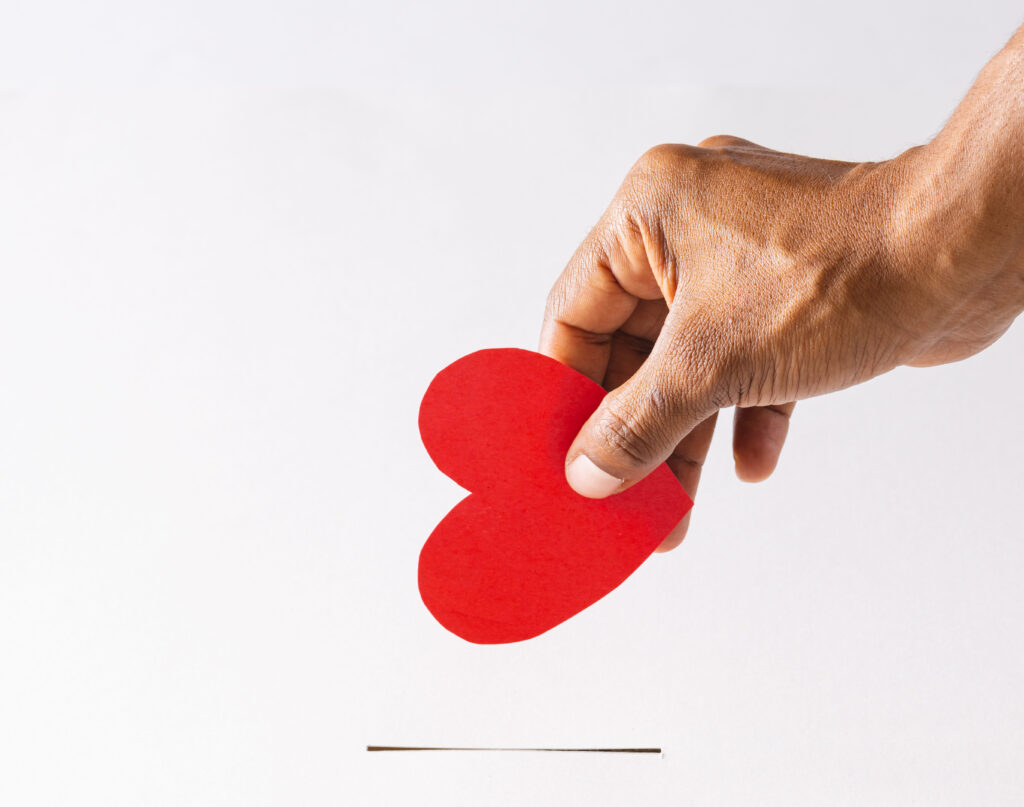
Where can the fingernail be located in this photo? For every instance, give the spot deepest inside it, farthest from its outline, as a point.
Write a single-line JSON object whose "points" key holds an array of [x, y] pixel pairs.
{"points": [[588, 480]]}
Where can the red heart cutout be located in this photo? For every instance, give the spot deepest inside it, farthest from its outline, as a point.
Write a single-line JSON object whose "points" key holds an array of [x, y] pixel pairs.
{"points": [[524, 552]]}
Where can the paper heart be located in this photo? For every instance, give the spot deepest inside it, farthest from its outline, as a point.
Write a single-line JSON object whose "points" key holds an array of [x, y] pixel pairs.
{"points": [[524, 552]]}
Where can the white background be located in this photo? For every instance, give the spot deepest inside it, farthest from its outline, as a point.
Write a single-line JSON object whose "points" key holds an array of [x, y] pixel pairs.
{"points": [[236, 242]]}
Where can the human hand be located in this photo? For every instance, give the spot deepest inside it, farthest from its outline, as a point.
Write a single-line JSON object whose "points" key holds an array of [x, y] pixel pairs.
{"points": [[729, 274]]}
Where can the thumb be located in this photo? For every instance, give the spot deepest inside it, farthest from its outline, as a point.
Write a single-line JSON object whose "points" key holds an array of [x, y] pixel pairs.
{"points": [[636, 427]]}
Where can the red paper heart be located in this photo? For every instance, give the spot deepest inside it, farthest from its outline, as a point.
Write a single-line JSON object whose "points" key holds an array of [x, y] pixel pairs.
{"points": [[524, 552]]}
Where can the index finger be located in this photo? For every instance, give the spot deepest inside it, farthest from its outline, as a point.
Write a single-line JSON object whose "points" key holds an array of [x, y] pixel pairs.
{"points": [[586, 306]]}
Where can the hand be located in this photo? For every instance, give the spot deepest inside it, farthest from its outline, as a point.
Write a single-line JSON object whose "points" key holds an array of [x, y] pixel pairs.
{"points": [[729, 274]]}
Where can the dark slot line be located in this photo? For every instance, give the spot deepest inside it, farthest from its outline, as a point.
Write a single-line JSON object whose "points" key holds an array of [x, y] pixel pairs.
{"points": [[558, 750]]}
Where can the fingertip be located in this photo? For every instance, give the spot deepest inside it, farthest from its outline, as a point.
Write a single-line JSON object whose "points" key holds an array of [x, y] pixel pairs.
{"points": [[675, 538], [754, 469], [588, 480], [758, 437], [755, 455]]}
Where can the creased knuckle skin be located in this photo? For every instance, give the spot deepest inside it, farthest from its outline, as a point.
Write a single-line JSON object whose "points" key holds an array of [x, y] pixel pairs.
{"points": [[557, 300], [618, 435], [650, 194], [635, 431]]}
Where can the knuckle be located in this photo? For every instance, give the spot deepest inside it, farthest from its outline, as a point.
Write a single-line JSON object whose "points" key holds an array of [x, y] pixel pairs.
{"points": [[650, 189], [660, 156], [627, 211], [659, 166], [618, 434], [719, 140], [663, 177], [708, 362], [577, 274], [637, 430], [556, 300]]}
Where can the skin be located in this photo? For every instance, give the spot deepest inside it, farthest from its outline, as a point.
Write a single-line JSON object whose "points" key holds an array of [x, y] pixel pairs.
{"points": [[729, 274]]}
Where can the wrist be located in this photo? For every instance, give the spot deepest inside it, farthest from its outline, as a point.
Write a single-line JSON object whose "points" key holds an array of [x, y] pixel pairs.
{"points": [[955, 249], [969, 179], [956, 224], [944, 265]]}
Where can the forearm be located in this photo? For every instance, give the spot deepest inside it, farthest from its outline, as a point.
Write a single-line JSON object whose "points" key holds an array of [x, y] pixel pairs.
{"points": [[984, 139], [971, 181]]}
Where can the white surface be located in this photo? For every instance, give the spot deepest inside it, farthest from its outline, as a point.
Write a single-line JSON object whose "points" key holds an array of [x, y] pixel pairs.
{"points": [[352, 44], [219, 312]]}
